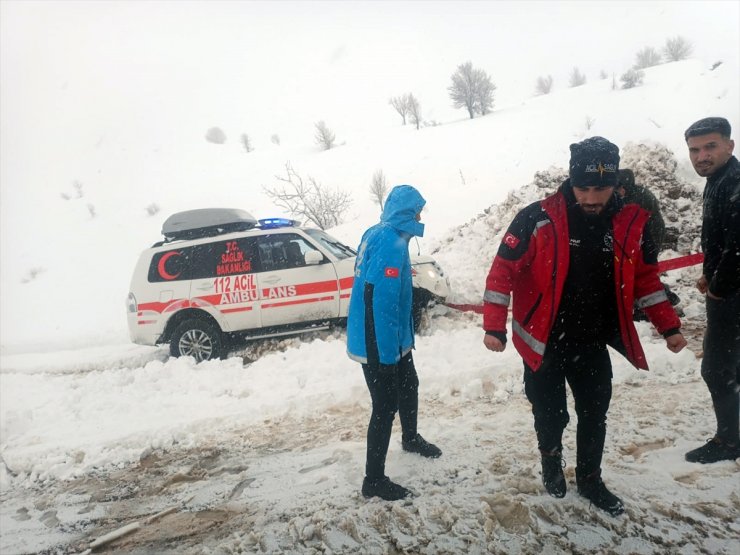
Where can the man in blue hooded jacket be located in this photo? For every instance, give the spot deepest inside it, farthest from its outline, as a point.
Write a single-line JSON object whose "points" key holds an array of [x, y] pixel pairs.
{"points": [[380, 336]]}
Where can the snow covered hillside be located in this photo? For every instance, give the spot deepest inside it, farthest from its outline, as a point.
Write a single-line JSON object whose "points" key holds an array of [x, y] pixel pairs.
{"points": [[264, 452], [60, 260]]}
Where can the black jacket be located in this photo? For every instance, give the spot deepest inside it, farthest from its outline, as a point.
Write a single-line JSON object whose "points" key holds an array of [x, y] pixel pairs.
{"points": [[720, 231], [641, 195]]}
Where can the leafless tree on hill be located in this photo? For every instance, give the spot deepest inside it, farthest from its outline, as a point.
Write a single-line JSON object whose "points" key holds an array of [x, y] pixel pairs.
{"points": [[379, 189], [324, 136], [309, 200], [216, 135], [577, 78], [246, 143], [414, 110], [632, 78], [544, 85], [472, 89], [677, 48], [401, 105], [646, 57]]}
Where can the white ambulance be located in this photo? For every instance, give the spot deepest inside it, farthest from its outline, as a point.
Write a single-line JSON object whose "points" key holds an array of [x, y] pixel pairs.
{"points": [[219, 275]]}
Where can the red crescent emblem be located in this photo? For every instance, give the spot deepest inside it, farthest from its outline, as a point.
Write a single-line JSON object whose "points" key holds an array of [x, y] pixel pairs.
{"points": [[163, 261]]}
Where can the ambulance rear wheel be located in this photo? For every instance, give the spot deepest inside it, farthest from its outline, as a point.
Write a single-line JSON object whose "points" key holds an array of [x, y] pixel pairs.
{"points": [[197, 338]]}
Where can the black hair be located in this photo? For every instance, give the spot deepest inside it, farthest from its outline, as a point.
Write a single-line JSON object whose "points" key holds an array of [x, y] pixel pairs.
{"points": [[706, 126]]}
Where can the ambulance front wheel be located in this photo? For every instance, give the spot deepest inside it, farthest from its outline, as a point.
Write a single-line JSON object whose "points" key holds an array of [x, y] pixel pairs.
{"points": [[197, 338]]}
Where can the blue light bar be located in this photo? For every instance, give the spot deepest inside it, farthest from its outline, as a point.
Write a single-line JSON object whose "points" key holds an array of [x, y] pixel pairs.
{"points": [[272, 223]]}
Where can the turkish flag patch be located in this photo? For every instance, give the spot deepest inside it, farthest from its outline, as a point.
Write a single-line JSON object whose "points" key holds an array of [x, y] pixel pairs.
{"points": [[391, 272], [510, 241]]}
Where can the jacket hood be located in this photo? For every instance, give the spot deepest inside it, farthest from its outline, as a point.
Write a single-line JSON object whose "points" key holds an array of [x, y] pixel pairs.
{"points": [[401, 207]]}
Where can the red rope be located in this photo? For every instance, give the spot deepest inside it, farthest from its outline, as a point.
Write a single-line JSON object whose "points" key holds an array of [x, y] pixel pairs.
{"points": [[681, 262]]}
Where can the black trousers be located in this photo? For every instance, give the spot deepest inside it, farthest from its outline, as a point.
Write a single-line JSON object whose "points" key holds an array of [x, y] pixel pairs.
{"points": [[720, 366], [588, 371], [396, 390]]}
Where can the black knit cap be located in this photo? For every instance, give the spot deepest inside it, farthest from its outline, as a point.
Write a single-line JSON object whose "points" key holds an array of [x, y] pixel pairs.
{"points": [[706, 126], [594, 162]]}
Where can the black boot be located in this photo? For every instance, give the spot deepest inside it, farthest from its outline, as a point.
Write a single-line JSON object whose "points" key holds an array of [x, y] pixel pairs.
{"points": [[552, 473], [713, 451], [592, 488], [419, 445], [383, 488]]}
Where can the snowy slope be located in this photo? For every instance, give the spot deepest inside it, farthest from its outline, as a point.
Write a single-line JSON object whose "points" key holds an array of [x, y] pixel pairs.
{"points": [[264, 452]]}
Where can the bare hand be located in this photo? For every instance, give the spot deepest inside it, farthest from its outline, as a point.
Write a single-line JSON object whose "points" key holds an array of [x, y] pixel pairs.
{"points": [[675, 343], [493, 343], [701, 284]]}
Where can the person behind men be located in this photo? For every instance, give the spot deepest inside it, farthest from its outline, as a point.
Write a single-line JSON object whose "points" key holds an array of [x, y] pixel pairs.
{"points": [[575, 262], [380, 335], [633, 193], [710, 151]]}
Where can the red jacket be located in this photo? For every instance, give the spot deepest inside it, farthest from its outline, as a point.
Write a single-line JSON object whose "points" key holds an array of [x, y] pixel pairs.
{"points": [[532, 264]]}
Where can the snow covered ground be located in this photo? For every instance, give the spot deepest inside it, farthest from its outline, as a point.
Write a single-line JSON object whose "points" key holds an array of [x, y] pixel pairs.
{"points": [[264, 452]]}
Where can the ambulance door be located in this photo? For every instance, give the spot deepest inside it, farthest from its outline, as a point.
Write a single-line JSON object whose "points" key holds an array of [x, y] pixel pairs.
{"points": [[292, 291], [225, 283], [166, 291]]}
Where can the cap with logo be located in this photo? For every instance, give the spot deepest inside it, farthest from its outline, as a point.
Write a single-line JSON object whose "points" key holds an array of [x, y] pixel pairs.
{"points": [[594, 162]]}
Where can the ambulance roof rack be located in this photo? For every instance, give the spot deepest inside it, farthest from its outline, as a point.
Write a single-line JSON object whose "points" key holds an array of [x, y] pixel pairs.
{"points": [[205, 222]]}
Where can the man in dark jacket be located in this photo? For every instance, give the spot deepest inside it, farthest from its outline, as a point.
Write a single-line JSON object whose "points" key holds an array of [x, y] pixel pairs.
{"points": [[710, 151], [380, 336], [576, 262]]}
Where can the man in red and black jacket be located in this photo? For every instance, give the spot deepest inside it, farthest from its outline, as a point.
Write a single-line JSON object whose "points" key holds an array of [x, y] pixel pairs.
{"points": [[575, 263]]}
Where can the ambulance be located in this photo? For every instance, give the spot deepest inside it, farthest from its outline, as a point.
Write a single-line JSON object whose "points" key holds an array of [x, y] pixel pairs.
{"points": [[220, 277]]}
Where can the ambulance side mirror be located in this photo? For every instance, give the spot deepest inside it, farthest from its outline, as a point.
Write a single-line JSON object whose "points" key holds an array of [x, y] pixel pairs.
{"points": [[314, 257]]}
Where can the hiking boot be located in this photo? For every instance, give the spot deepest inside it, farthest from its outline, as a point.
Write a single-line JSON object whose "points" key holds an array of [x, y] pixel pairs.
{"points": [[592, 487], [421, 446], [552, 474], [383, 488], [713, 451]]}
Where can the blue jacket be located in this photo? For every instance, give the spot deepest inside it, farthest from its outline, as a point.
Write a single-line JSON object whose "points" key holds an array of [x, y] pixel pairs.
{"points": [[379, 324]]}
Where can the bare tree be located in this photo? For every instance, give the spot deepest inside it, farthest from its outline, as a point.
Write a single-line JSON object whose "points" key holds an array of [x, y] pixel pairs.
{"points": [[647, 57], [246, 143], [471, 89], [275, 139], [577, 78], [378, 189], [310, 199], [485, 93], [544, 85], [324, 136], [676, 49], [589, 122], [216, 135], [414, 110], [603, 74], [401, 104], [632, 78]]}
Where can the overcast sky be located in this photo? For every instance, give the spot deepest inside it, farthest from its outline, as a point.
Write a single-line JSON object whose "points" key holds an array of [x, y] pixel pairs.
{"points": [[79, 71]]}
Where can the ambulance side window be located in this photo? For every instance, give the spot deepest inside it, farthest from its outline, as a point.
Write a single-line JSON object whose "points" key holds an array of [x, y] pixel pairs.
{"points": [[171, 265], [224, 258], [282, 251]]}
